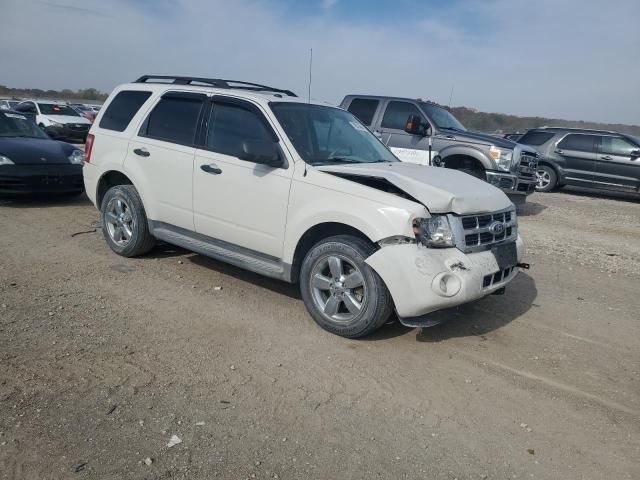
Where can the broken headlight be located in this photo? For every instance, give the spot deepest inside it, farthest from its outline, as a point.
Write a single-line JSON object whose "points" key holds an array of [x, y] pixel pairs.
{"points": [[434, 231]]}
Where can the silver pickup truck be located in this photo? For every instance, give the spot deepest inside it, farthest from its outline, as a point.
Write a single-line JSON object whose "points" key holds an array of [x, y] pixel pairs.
{"points": [[426, 133]]}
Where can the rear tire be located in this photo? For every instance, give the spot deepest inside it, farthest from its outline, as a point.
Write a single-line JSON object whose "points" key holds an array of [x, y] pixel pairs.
{"points": [[124, 222], [343, 294], [546, 178]]}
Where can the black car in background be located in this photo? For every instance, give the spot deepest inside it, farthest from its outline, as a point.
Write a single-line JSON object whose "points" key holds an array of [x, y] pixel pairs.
{"points": [[30, 162], [585, 158]]}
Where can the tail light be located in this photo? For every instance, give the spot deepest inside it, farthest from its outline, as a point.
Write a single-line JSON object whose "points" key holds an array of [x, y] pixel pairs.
{"points": [[88, 146]]}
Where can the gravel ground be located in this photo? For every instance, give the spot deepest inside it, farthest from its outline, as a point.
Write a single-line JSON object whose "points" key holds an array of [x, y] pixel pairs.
{"points": [[103, 359]]}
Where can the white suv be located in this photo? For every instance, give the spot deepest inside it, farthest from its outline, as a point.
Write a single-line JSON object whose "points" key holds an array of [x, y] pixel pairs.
{"points": [[256, 177]]}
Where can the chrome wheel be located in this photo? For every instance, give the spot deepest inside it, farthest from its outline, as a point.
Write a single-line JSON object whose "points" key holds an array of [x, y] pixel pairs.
{"points": [[543, 178], [119, 221], [338, 289]]}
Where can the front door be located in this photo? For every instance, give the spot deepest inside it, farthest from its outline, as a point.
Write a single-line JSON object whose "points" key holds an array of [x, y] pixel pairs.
{"points": [[407, 147], [236, 200], [617, 167], [578, 152]]}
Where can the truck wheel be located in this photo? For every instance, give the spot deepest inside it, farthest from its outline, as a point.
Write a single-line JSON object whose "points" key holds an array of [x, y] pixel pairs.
{"points": [[546, 178], [342, 293], [124, 222]]}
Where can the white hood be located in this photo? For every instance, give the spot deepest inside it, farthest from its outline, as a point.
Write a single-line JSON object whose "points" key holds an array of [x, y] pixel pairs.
{"points": [[441, 190], [67, 119]]}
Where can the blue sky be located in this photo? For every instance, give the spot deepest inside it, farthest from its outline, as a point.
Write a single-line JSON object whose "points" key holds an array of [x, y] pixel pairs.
{"points": [[574, 59]]}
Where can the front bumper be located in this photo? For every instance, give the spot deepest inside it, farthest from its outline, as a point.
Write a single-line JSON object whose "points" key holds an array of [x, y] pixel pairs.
{"points": [[41, 179], [511, 184], [65, 132], [415, 274]]}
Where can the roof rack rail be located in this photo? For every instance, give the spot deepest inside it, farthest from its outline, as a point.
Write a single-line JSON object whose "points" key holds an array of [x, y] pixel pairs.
{"points": [[577, 129], [213, 82]]}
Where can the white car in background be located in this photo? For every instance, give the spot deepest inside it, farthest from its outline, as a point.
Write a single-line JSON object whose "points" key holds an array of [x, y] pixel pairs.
{"points": [[58, 119]]}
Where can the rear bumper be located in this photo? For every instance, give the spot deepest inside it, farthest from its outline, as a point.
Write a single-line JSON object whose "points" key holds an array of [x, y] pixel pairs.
{"points": [[415, 274], [40, 179]]}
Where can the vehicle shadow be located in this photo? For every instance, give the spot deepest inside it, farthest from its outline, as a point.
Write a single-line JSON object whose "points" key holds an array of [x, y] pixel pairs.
{"points": [[483, 316], [42, 201], [530, 209], [278, 286]]}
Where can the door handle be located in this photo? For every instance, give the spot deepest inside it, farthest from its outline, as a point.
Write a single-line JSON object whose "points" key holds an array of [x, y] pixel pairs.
{"points": [[142, 152], [607, 157], [211, 168]]}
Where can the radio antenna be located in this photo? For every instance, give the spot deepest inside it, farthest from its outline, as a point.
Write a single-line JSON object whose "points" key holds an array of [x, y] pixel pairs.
{"points": [[310, 69], [451, 94]]}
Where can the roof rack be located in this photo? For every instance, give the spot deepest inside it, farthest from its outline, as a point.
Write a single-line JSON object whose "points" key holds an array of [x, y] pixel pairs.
{"points": [[212, 82], [577, 129]]}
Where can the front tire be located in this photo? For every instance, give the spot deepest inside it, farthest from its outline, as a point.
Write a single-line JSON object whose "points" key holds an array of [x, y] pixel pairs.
{"points": [[343, 294], [546, 178], [124, 222]]}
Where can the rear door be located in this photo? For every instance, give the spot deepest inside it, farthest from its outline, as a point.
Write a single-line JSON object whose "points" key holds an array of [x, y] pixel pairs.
{"points": [[407, 147], [577, 154], [615, 166], [162, 154]]}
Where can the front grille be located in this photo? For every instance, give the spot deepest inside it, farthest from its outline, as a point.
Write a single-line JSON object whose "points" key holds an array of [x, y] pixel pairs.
{"points": [[528, 165], [482, 231]]}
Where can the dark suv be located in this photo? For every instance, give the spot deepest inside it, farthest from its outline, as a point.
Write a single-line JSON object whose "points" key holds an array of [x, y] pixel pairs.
{"points": [[585, 158]]}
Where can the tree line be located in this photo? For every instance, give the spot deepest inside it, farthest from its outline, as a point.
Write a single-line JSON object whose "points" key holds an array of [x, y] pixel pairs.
{"points": [[65, 94]]}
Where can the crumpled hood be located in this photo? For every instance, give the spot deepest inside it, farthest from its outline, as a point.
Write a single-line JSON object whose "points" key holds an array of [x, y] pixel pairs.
{"points": [[441, 190]]}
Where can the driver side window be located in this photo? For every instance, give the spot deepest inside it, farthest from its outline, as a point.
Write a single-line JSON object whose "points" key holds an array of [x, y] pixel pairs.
{"points": [[397, 114]]}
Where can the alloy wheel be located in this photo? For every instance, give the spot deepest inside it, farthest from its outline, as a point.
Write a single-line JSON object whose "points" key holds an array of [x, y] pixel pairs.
{"points": [[119, 221], [338, 289], [543, 179]]}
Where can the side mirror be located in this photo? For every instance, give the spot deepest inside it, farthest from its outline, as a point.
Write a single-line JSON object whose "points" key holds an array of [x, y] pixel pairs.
{"points": [[263, 152], [415, 126], [635, 154]]}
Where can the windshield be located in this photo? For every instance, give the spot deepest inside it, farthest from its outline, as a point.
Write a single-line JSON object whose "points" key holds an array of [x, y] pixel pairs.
{"points": [[326, 135], [16, 125], [442, 118], [55, 109]]}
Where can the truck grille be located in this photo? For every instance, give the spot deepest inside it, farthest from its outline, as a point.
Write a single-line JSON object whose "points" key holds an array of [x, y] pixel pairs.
{"points": [[528, 165], [482, 231]]}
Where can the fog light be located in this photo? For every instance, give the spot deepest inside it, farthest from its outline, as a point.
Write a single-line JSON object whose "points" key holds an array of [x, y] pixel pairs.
{"points": [[446, 284]]}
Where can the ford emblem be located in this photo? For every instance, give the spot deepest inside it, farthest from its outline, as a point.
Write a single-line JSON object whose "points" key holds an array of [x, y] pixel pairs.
{"points": [[496, 228]]}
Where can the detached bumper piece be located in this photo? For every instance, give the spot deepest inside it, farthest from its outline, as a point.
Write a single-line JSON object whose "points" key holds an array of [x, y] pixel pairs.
{"points": [[40, 179], [512, 184]]}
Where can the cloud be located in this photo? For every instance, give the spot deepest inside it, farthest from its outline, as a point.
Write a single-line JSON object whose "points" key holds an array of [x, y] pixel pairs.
{"points": [[573, 59], [328, 4]]}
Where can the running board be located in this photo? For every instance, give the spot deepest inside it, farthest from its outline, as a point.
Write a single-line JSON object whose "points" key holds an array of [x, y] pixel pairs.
{"points": [[220, 250]]}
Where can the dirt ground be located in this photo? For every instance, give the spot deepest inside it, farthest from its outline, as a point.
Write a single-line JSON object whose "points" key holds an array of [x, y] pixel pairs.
{"points": [[103, 359]]}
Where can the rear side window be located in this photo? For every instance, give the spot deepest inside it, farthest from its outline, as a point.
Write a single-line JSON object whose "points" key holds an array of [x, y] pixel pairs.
{"points": [[535, 138], [618, 146], [174, 119], [364, 109], [579, 142], [230, 125], [398, 113], [122, 109]]}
